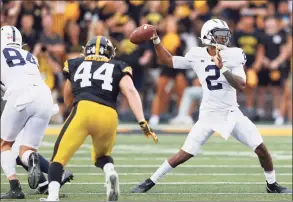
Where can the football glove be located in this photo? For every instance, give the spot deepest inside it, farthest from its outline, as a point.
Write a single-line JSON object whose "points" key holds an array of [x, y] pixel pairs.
{"points": [[145, 128]]}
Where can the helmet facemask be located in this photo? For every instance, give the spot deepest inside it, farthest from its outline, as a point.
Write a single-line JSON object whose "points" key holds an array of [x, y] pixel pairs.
{"points": [[219, 37], [108, 50]]}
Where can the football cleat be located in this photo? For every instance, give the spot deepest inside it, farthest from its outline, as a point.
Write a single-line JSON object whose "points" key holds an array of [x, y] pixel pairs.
{"points": [[34, 170], [41, 190], [143, 187], [66, 177], [13, 194], [112, 184], [276, 188]]}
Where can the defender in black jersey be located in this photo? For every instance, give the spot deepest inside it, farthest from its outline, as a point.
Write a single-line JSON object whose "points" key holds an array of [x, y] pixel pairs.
{"points": [[92, 86]]}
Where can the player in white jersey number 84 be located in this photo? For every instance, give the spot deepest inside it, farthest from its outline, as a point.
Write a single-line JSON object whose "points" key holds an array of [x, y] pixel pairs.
{"points": [[221, 74]]}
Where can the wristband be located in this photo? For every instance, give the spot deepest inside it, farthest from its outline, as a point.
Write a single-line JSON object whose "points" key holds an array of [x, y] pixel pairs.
{"points": [[224, 69], [141, 121], [156, 40]]}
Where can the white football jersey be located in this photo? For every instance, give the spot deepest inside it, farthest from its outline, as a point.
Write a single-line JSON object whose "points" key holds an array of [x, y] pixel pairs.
{"points": [[19, 68], [218, 94]]}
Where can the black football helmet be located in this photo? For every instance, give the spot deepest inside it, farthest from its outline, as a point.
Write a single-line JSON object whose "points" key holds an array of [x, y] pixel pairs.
{"points": [[100, 45]]}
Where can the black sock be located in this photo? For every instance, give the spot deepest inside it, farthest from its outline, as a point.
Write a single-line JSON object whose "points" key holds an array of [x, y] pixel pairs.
{"points": [[19, 162], [44, 164], [103, 160], [15, 185], [55, 172]]}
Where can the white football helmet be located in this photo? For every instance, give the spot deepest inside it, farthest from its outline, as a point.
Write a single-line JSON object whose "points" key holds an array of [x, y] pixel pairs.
{"points": [[215, 32], [10, 36]]}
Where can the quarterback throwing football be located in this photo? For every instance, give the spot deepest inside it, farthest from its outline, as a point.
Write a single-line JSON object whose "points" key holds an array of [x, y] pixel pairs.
{"points": [[221, 74]]}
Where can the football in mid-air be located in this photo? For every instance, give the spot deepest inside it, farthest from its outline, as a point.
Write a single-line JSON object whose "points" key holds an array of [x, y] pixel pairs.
{"points": [[142, 34]]}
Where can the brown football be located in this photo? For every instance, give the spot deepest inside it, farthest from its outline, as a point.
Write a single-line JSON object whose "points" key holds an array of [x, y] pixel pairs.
{"points": [[143, 33]]}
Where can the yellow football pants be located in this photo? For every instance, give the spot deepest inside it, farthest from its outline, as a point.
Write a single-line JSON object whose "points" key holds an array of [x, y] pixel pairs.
{"points": [[87, 118]]}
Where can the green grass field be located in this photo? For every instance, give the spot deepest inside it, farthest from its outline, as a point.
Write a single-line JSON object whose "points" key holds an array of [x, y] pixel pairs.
{"points": [[223, 171]]}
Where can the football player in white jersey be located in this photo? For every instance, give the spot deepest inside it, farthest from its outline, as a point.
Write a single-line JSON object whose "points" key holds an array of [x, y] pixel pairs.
{"points": [[29, 108], [44, 164], [221, 74]]}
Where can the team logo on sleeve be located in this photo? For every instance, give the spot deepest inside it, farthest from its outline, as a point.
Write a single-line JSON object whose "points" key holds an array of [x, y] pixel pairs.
{"points": [[127, 69]]}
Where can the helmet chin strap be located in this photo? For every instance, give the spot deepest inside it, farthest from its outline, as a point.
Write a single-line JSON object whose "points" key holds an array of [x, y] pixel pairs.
{"points": [[220, 47], [217, 45]]}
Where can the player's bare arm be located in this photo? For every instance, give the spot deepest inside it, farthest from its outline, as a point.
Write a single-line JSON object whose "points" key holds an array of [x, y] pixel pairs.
{"points": [[68, 97], [127, 88], [163, 55], [235, 81]]}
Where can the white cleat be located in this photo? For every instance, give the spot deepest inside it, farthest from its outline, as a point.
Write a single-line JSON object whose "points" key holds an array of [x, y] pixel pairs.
{"points": [[112, 184]]}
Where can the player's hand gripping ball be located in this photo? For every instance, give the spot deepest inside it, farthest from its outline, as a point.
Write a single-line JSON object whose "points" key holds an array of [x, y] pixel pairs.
{"points": [[142, 34]]}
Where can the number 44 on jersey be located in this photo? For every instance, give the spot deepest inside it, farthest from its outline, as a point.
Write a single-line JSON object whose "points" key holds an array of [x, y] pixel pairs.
{"points": [[84, 74]]}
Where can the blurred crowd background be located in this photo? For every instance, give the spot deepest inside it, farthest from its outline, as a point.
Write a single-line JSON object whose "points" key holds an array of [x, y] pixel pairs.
{"points": [[55, 31]]}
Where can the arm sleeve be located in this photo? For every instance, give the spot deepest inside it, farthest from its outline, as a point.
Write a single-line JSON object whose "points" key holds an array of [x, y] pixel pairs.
{"points": [[181, 62]]}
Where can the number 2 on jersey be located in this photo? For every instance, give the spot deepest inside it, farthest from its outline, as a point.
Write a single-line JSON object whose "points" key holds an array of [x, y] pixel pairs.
{"points": [[217, 75], [83, 72]]}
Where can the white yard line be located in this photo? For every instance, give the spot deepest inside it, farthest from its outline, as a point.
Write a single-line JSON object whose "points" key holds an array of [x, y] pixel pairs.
{"points": [[280, 157], [166, 125], [181, 166], [172, 193], [172, 174], [145, 149], [194, 193], [174, 183]]}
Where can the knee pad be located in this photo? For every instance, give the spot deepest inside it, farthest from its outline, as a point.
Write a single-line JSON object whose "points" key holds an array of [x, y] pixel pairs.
{"points": [[55, 172], [102, 161]]}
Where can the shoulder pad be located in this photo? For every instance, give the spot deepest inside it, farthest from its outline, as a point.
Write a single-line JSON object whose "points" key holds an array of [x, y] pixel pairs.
{"points": [[124, 67], [72, 62], [66, 68], [233, 56], [196, 52]]}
